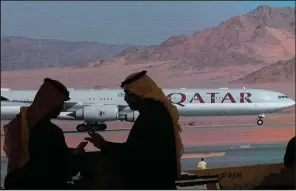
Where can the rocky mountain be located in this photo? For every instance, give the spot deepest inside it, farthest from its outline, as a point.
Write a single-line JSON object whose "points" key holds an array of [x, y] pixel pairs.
{"points": [[238, 46], [261, 36], [281, 71], [28, 53]]}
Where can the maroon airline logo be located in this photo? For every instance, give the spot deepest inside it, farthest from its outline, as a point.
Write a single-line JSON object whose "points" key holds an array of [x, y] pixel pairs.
{"points": [[244, 98]]}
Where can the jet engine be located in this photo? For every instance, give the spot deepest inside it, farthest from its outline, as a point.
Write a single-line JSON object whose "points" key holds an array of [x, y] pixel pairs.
{"points": [[97, 113], [130, 116]]}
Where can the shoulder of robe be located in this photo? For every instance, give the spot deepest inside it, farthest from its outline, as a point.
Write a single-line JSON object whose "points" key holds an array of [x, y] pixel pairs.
{"points": [[155, 106], [156, 111]]}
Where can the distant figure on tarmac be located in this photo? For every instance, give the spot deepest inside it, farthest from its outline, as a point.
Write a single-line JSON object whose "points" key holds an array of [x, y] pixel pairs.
{"points": [[286, 179], [151, 156], [44, 161], [202, 164]]}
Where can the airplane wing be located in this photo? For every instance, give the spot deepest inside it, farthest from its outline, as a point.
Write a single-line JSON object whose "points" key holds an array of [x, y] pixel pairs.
{"points": [[4, 98], [80, 106], [67, 105], [70, 106]]}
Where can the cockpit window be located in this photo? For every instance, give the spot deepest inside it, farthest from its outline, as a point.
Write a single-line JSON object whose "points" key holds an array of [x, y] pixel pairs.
{"points": [[282, 97]]}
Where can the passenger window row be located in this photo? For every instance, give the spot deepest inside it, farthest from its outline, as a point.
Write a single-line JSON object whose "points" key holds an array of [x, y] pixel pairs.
{"points": [[101, 99]]}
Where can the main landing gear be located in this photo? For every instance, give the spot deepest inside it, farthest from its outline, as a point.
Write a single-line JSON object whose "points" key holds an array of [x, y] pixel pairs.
{"points": [[95, 126], [260, 119]]}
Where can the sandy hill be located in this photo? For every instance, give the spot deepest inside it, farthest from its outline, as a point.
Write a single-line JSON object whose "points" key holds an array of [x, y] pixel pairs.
{"points": [[264, 35], [281, 71]]}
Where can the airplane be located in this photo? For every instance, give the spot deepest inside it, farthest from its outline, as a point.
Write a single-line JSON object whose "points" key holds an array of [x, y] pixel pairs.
{"points": [[95, 107]]}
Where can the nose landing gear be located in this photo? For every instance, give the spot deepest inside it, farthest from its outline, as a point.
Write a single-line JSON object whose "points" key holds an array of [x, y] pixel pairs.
{"points": [[260, 119], [259, 122], [95, 126]]}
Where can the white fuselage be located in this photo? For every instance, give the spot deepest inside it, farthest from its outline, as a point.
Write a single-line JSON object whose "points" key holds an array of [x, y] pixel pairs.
{"points": [[190, 102]]}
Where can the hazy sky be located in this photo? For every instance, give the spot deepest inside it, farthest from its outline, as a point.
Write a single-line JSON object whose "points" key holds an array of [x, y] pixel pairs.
{"points": [[141, 23]]}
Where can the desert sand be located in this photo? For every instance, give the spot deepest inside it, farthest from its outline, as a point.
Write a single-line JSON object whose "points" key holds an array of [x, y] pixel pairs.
{"points": [[202, 136]]}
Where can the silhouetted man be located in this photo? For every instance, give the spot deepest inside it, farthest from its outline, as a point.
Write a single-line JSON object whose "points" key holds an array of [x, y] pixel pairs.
{"points": [[50, 160], [152, 153]]}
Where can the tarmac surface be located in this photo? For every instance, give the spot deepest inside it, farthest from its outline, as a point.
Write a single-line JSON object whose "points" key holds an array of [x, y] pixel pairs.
{"points": [[219, 145], [206, 136], [200, 127]]}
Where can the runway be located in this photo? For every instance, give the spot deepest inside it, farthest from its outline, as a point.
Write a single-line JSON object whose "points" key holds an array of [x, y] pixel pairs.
{"points": [[235, 155], [211, 127], [220, 122]]}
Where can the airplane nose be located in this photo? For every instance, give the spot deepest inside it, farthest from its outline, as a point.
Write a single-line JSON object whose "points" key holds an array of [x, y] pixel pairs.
{"points": [[292, 102]]}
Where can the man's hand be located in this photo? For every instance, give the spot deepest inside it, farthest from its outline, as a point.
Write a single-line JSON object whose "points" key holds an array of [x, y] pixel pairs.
{"points": [[95, 139]]}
